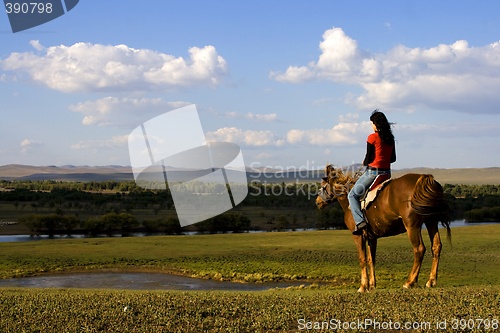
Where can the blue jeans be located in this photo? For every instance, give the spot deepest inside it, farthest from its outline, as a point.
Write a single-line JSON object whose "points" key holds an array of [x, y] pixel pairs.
{"points": [[358, 191]]}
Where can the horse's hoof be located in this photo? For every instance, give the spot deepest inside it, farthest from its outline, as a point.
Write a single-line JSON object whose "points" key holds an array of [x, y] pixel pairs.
{"points": [[430, 284], [410, 286]]}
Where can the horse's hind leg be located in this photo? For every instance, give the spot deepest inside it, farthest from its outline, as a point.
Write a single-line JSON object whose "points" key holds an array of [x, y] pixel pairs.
{"points": [[415, 236], [433, 230], [371, 254]]}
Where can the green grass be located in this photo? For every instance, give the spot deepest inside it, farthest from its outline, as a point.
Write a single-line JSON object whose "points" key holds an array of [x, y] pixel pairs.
{"points": [[328, 256], [468, 286], [38, 310]]}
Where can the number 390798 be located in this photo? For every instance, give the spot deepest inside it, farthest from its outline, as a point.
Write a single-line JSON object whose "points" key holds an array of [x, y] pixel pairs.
{"points": [[28, 8]]}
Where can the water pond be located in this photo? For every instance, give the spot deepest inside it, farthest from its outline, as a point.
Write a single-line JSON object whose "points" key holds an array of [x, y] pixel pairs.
{"points": [[136, 281]]}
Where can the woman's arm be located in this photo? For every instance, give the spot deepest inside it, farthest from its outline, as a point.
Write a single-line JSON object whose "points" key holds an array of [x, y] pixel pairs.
{"points": [[370, 154]]}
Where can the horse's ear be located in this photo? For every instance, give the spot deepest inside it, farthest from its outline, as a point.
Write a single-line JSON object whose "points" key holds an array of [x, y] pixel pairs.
{"points": [[328, 168]]}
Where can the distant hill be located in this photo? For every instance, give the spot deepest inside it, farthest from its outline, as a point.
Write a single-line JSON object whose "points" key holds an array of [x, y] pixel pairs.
{"points": [[66, 172], [468, 176]]}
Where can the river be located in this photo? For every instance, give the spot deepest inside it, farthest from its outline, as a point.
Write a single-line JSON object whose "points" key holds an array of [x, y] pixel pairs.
{"points": [[27, 238]]}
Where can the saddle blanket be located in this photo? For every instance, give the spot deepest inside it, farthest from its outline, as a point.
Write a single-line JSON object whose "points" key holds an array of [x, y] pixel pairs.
{"points": [[372, 194]]}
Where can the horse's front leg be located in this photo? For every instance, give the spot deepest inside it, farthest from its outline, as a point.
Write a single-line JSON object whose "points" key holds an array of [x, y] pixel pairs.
{"points": [[372, 253], [362, 257]]}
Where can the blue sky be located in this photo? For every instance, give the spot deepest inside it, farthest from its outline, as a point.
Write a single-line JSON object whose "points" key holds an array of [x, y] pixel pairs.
{"points": [[292, 82]]}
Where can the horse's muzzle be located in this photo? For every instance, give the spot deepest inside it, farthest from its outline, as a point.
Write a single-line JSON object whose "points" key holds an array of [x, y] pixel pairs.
{"points": [[324, 198]]}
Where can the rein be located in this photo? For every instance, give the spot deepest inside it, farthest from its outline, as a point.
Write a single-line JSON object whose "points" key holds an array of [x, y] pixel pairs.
{"points": [[358, 173]]}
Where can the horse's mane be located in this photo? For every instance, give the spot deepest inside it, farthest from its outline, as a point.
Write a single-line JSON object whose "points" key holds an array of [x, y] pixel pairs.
{"points": [[337, 176]]}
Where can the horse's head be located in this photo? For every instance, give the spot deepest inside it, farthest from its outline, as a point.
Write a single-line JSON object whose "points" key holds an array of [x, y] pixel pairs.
{"points": [[335, 184], [325, 196]]}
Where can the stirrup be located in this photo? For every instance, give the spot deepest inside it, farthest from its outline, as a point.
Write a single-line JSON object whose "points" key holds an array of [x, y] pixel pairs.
{"points": [[358, 230]]}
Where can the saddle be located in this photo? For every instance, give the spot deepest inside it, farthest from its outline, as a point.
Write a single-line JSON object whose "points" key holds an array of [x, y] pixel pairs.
{"points": [[378, 184]]}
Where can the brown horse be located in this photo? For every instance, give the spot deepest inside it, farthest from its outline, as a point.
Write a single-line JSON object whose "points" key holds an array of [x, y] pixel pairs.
{"points": [[404, 204]]}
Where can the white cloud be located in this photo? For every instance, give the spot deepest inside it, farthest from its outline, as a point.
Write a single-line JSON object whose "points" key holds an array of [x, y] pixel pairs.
{"points": [[448, 76], [36, 45], [113, 143], [262, 117], [28, 145], [348, 118], [343, 133], [86, 67], [293, 75], [122, 111], [348, 131], [245, 137], [340, 58], [459, 130], [266, 117]]}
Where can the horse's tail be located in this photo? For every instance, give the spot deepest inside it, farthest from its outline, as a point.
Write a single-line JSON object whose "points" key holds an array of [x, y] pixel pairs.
{"points": [[428, 200]]}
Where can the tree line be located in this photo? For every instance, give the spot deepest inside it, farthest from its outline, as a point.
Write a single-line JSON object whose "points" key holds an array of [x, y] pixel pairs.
{"points": [[126, 224], [110, 207], [456, 190]]}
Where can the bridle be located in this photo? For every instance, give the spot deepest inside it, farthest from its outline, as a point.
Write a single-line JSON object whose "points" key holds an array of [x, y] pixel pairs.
{"points": [[325, 195], [325, 192]]}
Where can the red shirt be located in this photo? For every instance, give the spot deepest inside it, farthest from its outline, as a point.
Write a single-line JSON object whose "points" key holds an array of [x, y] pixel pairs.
{"points": [[383, 153]]}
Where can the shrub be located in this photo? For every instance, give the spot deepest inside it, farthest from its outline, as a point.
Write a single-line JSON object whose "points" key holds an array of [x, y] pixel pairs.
{"points": [[49, 223]]}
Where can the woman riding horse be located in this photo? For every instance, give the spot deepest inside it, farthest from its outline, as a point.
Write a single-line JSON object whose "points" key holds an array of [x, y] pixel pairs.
{"points": [[380, 153]]}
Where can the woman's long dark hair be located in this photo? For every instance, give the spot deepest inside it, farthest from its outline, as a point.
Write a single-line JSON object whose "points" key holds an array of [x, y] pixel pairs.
{"points": [[383, 127]]}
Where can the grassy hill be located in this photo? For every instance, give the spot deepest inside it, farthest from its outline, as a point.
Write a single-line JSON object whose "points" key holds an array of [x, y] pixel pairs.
{"points": [[65, 173], [467, 176]]}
